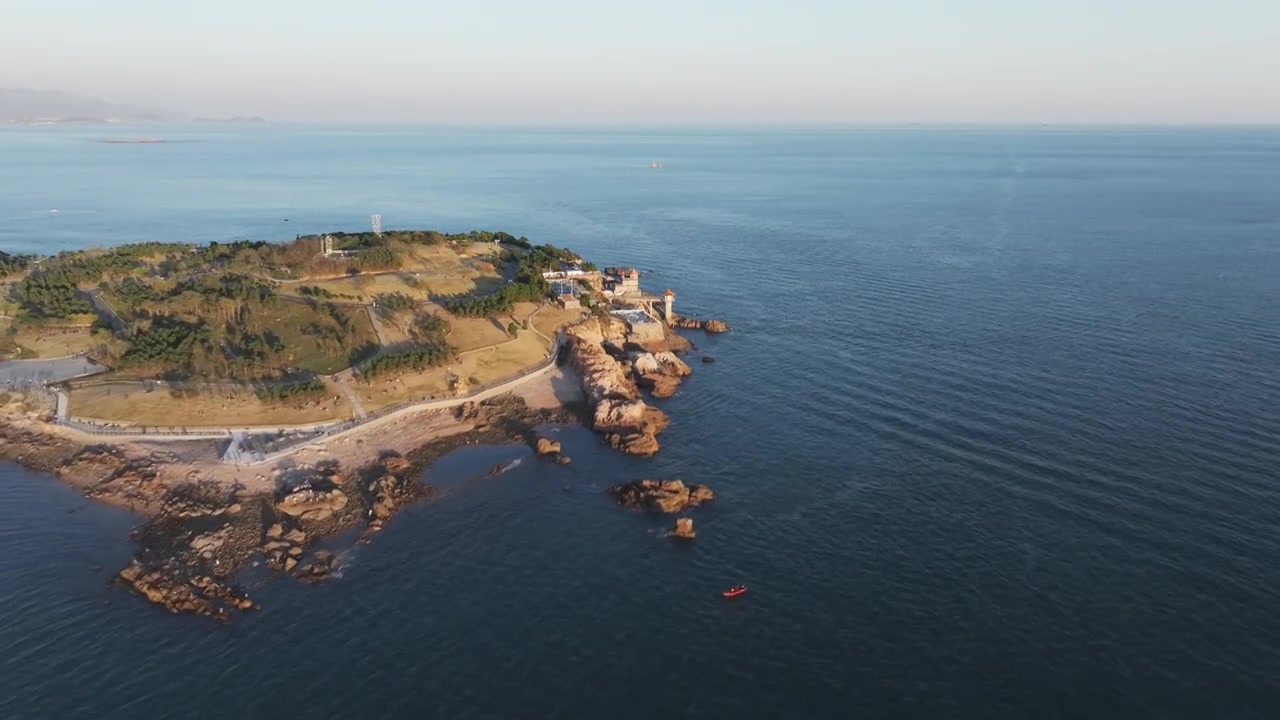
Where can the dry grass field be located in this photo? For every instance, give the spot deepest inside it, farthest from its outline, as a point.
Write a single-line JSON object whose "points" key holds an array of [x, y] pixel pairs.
{"points": [[493, 355], [429, 271], [50, 343], [129, 403]]}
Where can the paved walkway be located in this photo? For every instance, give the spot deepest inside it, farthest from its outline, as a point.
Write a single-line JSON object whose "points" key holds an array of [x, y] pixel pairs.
{"points": [[380, 331], [356, 407]]}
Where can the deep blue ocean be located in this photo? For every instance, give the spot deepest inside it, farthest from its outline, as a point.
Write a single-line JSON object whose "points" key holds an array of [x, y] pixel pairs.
{"points": [[996, 434]]}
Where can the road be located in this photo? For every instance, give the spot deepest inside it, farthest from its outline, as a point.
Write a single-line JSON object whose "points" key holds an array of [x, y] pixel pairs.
{"points": [[26, 373]]}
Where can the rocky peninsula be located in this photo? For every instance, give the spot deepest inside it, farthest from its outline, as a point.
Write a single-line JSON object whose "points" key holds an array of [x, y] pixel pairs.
{"points": [[208, 513]]}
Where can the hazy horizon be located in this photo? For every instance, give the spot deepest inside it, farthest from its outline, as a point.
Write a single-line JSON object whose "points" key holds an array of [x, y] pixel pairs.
{"points": [[568, 62]]}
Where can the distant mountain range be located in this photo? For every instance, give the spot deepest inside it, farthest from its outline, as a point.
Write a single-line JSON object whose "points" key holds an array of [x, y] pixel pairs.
{"points": [[21, 105]]}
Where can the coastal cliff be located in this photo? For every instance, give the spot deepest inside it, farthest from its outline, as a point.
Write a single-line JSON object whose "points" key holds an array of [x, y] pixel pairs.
{"points": [[626, 421]]}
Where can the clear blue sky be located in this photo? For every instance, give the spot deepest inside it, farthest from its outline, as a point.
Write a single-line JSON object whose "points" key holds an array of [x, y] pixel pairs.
{"points": [[660, 61]]}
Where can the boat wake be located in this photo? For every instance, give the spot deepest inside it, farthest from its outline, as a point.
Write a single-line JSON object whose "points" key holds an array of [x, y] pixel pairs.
{"points": [[501, 468]]}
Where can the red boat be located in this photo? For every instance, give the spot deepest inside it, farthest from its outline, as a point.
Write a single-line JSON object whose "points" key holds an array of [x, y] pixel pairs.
{"points": [[734, 591]]}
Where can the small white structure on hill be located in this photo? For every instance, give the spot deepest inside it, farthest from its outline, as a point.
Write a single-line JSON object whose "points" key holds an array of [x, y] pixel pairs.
{"points": [[567, 270]]}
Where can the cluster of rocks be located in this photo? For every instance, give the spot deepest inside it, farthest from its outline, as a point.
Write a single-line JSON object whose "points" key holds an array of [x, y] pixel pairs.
{"points": [[322, 565], [39, 451], [106, 473], [660, 372], [177, 589], [390, 490], [283, 548], [198, 498], [665, 496], [711, 326]]}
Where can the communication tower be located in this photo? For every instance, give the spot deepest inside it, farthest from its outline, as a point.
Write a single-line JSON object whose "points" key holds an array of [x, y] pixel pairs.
{"points": [[376, 220]]}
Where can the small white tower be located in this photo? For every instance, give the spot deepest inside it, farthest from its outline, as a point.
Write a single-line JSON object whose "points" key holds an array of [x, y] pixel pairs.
{"points": [[668, 298], [376, 221]]}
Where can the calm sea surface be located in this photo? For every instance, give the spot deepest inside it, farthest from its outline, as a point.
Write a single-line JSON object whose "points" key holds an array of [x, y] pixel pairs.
{"points": [[996, 435]]}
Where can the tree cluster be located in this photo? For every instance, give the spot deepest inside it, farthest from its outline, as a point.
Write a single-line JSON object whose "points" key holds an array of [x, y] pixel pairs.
{"points": [[418, 358], [310, 389], [394, 301], [166, 341]]}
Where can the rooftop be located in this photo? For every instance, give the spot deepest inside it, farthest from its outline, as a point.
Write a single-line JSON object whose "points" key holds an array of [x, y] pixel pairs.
{"points": [[634, 316]]}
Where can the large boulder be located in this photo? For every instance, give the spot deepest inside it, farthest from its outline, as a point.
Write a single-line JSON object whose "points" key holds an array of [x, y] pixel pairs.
{"points": [[715, 326], [313, 504], [711, 326], [683, 528], [672, 365], [547, 447], [395, 464], [210, 541], [659, 385]]}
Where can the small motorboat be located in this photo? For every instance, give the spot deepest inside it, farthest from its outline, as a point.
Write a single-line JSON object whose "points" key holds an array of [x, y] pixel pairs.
{"points": [[734, 591]]}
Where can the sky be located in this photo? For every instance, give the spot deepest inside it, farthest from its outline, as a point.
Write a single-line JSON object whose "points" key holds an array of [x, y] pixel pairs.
{"points": [[826, 62]]}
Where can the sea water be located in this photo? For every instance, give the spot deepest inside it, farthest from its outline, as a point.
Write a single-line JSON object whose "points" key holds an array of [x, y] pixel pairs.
{"points": [[995, 434]]}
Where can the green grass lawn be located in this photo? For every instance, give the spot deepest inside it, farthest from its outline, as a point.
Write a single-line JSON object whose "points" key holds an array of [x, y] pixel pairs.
{"points": [[289, 321]]}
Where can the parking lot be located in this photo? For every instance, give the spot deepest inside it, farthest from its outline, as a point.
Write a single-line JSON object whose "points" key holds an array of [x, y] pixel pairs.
{"points": [[27, 373]]}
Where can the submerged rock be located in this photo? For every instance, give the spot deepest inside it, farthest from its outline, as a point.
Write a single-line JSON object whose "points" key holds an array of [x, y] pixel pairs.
{"points": [[322, 565]]}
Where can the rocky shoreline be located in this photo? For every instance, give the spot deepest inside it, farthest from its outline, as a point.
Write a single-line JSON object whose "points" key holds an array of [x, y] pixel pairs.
{"points": [[200, 531]]}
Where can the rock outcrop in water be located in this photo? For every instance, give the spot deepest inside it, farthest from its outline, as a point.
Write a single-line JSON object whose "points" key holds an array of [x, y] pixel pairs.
{"points": [[711, 326], [546, 446], [665, 496], [683, 529], [178, 590], [321, 567]]}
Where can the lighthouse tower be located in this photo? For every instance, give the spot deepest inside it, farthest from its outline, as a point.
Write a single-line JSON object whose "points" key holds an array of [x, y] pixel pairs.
{"points": [[668, 298]]}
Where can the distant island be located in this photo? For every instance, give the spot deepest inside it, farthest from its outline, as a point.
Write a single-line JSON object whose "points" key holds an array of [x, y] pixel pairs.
{"points": [[237, 119], [248, 398], [24, 106]]}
